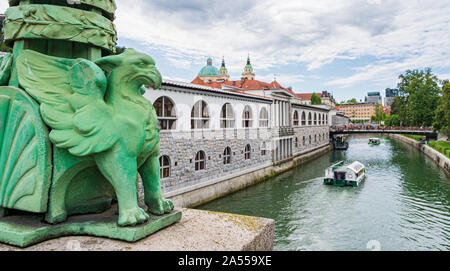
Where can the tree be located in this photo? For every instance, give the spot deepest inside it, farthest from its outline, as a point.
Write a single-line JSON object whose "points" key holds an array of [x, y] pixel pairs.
{"points": [[442, 113], [352, 101], [380, 115], [418, 97], [392, 120], [315, 99]]}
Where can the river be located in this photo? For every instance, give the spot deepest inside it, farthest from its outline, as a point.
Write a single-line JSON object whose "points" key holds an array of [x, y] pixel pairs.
{"points": [[403, 204]]}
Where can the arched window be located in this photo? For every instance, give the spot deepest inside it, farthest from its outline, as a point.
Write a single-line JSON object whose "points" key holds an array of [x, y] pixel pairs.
{"points": [[247, 118], [247, 152], [326, 119], [200, 160], [227, 156], [263, 148], [164, 164], [165, 111], [304, 141], [200, 115], [263, 118], [296, 142], [315, 119], [309, 119], [320, 119], [295, 118], [303, 118], [315, 138], [310, 139], [227, 116]]}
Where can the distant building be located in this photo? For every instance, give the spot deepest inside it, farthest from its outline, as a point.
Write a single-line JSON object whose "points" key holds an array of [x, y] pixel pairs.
{"points": [[374, 97], [209, 73], [340, 119], [358, 111], [325, 96], [248, 73], [390, 96]]}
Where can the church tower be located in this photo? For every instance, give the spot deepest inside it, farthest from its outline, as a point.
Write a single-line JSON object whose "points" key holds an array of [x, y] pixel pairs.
{"points": [[248, 71], [224, 71]]}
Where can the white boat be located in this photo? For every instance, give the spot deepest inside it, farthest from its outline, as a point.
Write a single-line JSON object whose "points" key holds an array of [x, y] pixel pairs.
{"points": [[345, 175]]}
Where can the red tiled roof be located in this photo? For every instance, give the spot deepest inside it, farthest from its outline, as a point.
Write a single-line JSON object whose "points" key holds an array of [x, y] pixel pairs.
{"points": [[306, 96], [243, 84]]}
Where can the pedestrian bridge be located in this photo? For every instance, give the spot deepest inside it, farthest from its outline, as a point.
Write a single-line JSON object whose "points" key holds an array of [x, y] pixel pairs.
{"points": [[425, 132]]}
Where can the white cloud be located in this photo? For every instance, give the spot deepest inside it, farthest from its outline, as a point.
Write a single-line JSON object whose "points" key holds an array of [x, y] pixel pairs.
{"points": [[399, 34], [3, 6]]}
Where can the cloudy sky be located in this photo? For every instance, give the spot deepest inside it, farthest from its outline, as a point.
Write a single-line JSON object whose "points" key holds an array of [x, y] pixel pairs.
{"points": [[348, 47]]}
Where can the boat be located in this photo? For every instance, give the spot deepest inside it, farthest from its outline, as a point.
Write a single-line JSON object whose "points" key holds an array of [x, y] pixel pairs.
{"points": [[339, 143], [374, 141], [345, 175]]}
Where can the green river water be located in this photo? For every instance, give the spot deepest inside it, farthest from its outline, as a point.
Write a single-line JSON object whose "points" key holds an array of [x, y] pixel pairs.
{"points": [[403, 204]]}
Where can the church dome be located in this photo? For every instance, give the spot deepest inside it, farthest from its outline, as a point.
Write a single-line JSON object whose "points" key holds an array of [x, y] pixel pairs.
{"points": [[209, 69]]}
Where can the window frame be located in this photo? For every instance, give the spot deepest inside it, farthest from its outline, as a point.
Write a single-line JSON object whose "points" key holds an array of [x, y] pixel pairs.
{"points": [[163, 167], [167, 123], [203, 116]]}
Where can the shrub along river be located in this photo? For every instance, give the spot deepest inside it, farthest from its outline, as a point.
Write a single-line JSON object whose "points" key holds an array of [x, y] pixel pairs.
{"points": [[403, 204]]}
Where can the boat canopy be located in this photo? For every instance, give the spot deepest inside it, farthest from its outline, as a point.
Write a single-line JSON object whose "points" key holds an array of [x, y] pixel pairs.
{"points": [[356, 167]]}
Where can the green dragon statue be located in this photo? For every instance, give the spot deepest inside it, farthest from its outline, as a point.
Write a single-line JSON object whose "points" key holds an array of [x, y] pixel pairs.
{"points": [[75, 130], [105, 117]]}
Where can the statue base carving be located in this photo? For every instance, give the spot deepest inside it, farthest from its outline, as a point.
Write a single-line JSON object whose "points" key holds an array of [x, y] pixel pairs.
{"points": [[23, 230]]}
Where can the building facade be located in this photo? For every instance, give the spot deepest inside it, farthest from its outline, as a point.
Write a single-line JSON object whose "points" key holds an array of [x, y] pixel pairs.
{"points": [[358, 111], [390, 96], [374, 98], [214, 130], [207, 133]]}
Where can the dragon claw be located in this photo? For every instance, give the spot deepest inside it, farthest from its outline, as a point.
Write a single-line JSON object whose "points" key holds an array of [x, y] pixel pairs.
{"points": [[160, 206], [132, 217]]}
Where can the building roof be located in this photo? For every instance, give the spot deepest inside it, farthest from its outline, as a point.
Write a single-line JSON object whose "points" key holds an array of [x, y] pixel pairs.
{"points": [[209, 69], [213, 89], [306, 96], [243, 84]]}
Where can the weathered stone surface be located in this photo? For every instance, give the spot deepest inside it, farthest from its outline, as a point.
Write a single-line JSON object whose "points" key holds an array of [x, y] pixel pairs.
{"points": [[23, 230], [197, 230]]}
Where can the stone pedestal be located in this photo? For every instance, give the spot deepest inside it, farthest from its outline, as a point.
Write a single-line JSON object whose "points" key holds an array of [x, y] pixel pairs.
{"points": [[197, 230]]}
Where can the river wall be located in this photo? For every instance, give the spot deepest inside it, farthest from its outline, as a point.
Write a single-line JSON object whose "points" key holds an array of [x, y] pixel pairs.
{"points": [[440, 159], [221, 186]]}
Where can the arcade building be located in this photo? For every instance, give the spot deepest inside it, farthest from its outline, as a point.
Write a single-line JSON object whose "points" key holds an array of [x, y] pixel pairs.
{"points": [[214, 130]]}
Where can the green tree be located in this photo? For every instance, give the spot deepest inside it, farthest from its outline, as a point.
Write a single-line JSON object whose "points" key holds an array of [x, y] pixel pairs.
{"points": [[380, 115], [352, 101], [392, 120], [442, 113], [418, 97], [315, 99]]}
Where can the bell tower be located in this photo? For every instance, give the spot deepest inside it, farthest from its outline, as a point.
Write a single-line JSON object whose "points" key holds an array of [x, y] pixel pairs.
{"points": [[248, 70], [224, 71]]}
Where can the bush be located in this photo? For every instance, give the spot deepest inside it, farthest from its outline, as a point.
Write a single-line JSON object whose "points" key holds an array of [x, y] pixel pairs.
{"points": [[441, 146]]}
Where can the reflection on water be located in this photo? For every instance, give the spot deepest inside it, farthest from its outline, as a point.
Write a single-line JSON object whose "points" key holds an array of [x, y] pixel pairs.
{"points": [[404, 203]]}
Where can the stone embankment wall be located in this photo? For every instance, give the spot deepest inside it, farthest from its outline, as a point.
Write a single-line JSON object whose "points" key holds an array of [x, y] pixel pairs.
{"points": [[222, 186], [439, 158]]}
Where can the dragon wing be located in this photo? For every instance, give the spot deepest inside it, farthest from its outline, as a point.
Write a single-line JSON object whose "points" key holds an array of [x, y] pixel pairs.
{"points": [[71, 97]]}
